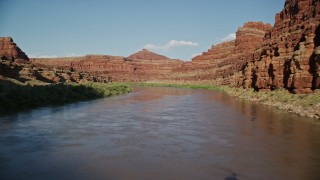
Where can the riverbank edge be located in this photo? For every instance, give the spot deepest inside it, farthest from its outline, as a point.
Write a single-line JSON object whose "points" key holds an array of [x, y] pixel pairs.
{"points": [[304, 105], [18, 97]]}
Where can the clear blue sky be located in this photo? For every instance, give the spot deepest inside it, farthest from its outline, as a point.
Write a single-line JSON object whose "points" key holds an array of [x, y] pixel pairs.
{"points": [[122, 27]]}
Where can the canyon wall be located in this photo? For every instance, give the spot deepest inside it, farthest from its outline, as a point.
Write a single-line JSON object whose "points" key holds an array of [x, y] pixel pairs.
{"points": [[229, 58], [117, 68], [215, 66], [262, 57], [288, 56], [265, 58]]}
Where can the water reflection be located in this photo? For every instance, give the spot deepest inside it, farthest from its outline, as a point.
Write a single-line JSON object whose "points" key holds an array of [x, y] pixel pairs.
{"points": [[159, 133]]}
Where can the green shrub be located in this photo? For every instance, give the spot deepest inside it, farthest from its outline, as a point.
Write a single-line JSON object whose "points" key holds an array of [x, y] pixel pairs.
{"points": [[15, 97]]}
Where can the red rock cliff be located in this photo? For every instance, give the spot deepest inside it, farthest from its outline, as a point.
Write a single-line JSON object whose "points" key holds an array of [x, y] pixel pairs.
{"points": [[116, 67], [226, 59], [250, 36], [261, 57], [247, 39], [218, 65], [218, 51], [9, 49], [288, 57]]}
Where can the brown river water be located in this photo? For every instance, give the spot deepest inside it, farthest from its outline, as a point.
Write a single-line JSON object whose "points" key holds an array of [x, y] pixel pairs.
{"points": [[159, 133]]}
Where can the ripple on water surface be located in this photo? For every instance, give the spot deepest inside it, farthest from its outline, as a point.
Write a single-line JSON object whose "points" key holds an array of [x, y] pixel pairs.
{"points": [[159, 133]]}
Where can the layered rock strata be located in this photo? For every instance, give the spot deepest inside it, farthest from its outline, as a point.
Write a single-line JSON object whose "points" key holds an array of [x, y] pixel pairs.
{"points": [[288, 56], [117, 68], [15, 64], [219, 65], [228, 58], [261, 57], [10, 51]]}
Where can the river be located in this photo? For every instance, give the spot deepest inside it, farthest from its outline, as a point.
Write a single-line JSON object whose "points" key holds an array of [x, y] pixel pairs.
{"points": [[159, 133]]}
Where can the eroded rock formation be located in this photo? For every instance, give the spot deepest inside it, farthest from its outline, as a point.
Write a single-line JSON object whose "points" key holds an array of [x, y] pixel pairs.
{"points": [[214, 66], [261, 57], [227, 59], [116, 68], [288, 56], [283, 56], [15, 64], [10, 51], [218, 51], [25, 72]]}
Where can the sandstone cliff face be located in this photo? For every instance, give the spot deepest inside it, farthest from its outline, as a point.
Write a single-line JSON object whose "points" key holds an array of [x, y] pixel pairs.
{"points": [[116, 68], [262, 57], [288, 57], [247, 39], [219, 65], [265, 57], [218, 51], [226, 60], [9, 50], [125, 69], [15, 64], [147, 55], [250, 36]]}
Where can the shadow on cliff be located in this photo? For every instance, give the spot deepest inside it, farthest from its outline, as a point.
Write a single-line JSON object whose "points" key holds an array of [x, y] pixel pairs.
{"points": [[271, 74], [288, 66], [10, 69], [314, 63], [254, 81], [286, 74]]}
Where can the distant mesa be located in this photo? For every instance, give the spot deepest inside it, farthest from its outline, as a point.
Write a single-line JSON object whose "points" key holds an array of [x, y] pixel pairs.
{"points": [[144, 54]]}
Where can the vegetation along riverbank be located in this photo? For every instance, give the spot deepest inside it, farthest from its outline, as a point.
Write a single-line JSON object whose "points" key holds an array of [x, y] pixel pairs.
{"points": [[15, 97], [306, 105]]}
